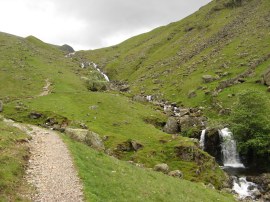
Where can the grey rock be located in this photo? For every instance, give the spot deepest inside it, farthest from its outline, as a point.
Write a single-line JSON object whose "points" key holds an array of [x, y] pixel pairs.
{"points": [[88, 137], [136, 146], [164, 168], [35, 115], [176, 173], [207, 78], [266, 77], [172, 126], [184, 111]]}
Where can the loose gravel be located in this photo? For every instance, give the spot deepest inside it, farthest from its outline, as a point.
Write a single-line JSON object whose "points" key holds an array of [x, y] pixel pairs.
{"points": [[50, 170]]}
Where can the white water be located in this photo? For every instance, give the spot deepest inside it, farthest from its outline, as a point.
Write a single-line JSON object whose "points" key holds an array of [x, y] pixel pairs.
{"points": [[202, 139], [229, 150], [244, 188], [102, 73], [70, 55], [149, 98]]}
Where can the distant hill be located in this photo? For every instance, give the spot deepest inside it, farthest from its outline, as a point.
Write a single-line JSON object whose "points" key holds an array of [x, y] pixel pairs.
{"points": [[218, 51]]}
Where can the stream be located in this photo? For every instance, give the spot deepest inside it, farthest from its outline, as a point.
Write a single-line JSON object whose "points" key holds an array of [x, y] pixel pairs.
{"points": [[233, 165]]}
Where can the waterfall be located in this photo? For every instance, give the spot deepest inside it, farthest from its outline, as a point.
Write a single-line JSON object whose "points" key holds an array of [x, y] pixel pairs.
{"points": [[202, 139], [229, 150], [102, 73], [244, 188]]}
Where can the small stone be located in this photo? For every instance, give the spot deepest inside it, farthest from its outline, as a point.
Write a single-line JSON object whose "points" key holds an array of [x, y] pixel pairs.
{"points": [[176, 173]]}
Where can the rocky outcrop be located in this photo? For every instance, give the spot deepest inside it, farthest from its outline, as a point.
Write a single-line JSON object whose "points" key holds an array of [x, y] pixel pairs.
{"points": [[88, 137], [119, 86], [128, 146], [266, 77], [66, 48], [188, 122], [35, 115], [212, 144], [164, 168], [263, 181], [172, 126]]}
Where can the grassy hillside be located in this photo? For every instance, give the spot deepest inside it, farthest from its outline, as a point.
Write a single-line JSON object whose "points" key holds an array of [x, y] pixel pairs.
{"points": [[223, 39], [28, 64]]}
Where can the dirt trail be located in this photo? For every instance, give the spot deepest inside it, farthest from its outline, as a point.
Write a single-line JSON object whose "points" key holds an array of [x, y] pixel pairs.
{"points": [[46, 88], [50, 169]]}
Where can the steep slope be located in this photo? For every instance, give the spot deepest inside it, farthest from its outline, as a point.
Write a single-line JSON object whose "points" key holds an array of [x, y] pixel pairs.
{"points": [[226, 41], [42, 85]]}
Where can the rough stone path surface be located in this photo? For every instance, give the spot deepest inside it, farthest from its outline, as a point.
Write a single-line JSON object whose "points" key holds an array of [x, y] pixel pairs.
{"points": [[50, 169], [46, 88]]}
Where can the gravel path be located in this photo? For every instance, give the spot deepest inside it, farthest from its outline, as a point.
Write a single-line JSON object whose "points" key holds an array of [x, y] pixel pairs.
{"points": [[46, 88], [50, 169]]}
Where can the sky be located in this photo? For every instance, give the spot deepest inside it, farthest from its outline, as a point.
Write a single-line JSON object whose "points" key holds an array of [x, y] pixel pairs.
{"points": [[90, 24]]}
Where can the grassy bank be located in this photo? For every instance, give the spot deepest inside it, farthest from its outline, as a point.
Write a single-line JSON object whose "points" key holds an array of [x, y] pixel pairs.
{"points": [[107, 179], [13, 158]]}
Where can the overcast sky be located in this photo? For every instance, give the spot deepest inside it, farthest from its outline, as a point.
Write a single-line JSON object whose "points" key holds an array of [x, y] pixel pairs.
{"points": [[90, 24]]}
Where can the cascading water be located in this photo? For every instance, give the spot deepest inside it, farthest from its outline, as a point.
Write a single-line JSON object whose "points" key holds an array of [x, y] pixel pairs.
{"points": [[244, 188], [231, 159], [102, 73], [229, 150], [202, 139]]}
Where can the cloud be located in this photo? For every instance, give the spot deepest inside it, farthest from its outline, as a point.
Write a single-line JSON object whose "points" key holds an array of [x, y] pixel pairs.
{"points": [[89, 24]]}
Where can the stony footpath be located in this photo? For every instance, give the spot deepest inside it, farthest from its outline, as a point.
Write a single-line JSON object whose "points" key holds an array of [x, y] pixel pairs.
{"points": [[50, 170]]}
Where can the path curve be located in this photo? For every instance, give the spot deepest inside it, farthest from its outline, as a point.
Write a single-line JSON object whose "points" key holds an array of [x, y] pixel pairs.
{"points": [[46, 88], [50, 168]]}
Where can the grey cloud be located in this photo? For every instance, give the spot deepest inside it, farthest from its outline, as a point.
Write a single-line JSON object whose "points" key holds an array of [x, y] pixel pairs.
{"points": [[106, 18]]}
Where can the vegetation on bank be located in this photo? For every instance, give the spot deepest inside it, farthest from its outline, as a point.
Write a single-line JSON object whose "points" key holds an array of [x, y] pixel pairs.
{"points": [[251, 126], [107, 179], [14, 154]]}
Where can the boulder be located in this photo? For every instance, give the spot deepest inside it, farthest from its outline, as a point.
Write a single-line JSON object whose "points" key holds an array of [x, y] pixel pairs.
{"points": [[135, 145], [88, 137], [187, 122], [207, 78], [92, 139], [164, 168], [176, 173], [35, 115], [266, 77], [172, 126], [130, 145], [1, 106]]}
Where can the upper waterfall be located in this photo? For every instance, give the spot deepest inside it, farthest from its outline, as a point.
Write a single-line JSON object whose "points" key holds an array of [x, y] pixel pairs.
{"points": [[229, 151]]}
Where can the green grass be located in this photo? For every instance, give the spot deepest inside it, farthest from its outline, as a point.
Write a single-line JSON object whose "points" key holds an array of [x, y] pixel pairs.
{"points": [[107, 179], [226, 40], [13, 158], [168, 62], [121, 120]]}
